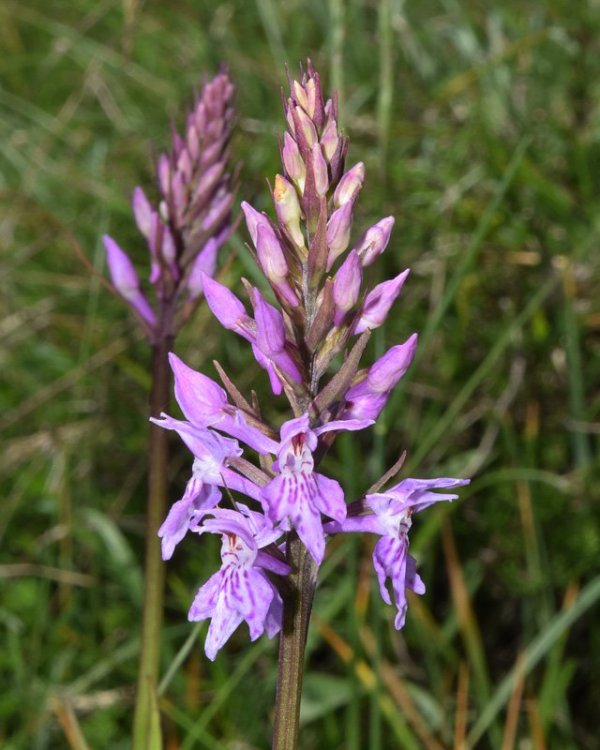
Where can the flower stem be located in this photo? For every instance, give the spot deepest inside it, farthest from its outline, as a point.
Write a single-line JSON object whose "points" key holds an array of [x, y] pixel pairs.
{"points": [[146, 728], [297, 607]]}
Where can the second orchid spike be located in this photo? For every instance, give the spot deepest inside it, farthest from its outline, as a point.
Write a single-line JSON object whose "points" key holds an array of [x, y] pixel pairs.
{"points": [[190, 222]]}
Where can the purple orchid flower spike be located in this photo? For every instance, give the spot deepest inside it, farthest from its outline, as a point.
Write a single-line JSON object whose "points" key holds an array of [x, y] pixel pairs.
{"points": [[191, 220], [240, 590], [301, 331], [298, 492]]}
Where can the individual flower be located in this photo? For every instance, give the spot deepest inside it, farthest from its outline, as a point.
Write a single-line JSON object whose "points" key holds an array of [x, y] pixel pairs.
{"points": [[391, 519], [240, 590], [299, 493]]}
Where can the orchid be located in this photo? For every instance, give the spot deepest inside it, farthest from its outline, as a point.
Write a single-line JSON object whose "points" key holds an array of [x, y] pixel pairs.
{"points": [[299, 493], [258, 482]]}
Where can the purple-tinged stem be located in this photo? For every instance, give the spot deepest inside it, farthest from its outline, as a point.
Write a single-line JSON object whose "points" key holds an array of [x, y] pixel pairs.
{"points": [[297, 606], [146, 727]]}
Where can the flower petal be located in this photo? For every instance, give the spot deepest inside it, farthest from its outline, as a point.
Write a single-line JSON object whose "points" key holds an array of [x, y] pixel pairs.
{"points": [[274, 618], [237, 426], [184, 512], [294, 495], [206, 599], [343, 424], [310, 530], [254, 594], [330, 497], [222, 626], [200, 398]]}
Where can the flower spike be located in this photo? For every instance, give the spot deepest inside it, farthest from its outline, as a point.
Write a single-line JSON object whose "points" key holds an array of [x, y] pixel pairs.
{"points": [[302, 319]]}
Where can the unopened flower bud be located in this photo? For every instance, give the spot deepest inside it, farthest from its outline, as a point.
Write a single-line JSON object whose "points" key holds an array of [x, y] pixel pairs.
{"points": [[319, 166], [126, 281], [184, 165], [385, 374], [142, 211], [330, 139], [338, 232], [270, 255], [375, 240], [311, 98], [300, 95], [289, 116], [288, 209], [254, 219], [193, 141], [350, 185], [378, 302], [218, 211], [367, 398], [305, 127], [212, 153], [346, 286], [292, 161], [270, 329], [226, 307], [168, 249], [201, 399], [207, 182], [122, 272], [162, 245], [164, 174], [178, 197]]}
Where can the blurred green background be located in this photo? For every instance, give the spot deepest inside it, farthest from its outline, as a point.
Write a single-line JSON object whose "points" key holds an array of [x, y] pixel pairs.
{"points": [[479, 124]]}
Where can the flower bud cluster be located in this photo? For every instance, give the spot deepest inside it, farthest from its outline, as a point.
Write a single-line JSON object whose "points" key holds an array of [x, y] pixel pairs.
{"points": [[323, 310], [191, 222]]}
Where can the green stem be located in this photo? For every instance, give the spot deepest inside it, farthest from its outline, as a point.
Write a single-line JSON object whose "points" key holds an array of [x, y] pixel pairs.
{"points": [[297, 607], [146, 727]]}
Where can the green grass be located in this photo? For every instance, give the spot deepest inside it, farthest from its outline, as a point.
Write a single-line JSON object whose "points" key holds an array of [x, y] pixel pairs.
{"points": [[478, 124]]}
